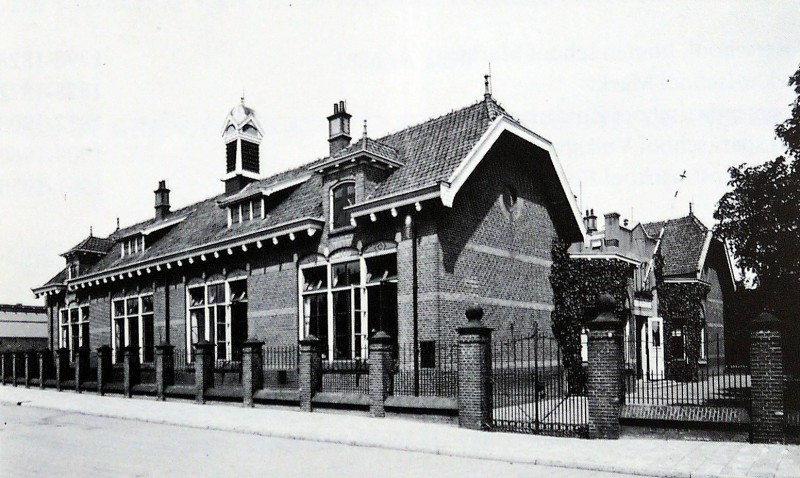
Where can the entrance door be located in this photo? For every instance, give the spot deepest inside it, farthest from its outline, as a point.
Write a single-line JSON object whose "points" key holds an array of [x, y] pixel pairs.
{"points": [[655, 345]]}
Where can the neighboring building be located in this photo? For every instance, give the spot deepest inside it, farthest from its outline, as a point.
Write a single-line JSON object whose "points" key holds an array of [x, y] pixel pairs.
{"points": [[399, 233], [22, 328], [691, 255]]}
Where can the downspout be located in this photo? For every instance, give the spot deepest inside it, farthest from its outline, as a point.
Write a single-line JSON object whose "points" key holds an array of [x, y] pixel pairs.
{"points": [[415, 300]]}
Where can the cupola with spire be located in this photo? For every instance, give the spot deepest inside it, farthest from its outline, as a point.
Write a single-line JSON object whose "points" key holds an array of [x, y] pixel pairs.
{"points": [[242, 135]]}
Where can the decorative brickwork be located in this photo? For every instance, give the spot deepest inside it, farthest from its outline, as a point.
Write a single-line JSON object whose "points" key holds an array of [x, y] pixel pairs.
{"points": [[131, 368], [81, 367], [203, 369], [474, 372], [380, 379], [310, 371], [766, 378], [605, 392], [62, 366], [165, 368], [252, 369], [103, 368]]}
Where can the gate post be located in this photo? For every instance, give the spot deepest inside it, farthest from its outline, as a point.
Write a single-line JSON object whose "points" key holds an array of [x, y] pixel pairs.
{"points": [[474, 372], [252, 370], [380, 375], [131, 368], [16, 359], [45, 361], [165, 369], [604, 375], [29, 358], [766, 378], [103, 368], [203, 369], [309, 371], [81, 367], [62, 366]]}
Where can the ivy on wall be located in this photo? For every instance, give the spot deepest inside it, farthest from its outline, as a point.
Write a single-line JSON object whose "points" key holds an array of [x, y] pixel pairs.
{"points": [[576, 284], [680, 304]]}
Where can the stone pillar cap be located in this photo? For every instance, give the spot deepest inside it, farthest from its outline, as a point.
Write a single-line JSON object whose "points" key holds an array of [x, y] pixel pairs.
{"points": [[164, 345], [310, 339], [103, 348], [130, 348], [252, 343], [380, 337], [606, 319], [766, 320], [203, 343]]}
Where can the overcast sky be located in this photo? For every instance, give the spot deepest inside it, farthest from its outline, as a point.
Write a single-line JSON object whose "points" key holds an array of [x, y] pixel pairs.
{"points": [[99, 102]]}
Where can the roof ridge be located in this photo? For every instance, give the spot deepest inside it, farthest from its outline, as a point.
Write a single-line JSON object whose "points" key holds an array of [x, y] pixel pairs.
{"points": [[434, 119]]}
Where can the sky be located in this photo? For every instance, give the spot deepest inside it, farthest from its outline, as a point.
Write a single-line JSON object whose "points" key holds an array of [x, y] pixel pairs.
{"points": [[100, 101]]}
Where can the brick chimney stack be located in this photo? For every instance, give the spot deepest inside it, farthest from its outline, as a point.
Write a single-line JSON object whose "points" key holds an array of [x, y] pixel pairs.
{"points": [[590, 221], [162, 200], [339, 128]]}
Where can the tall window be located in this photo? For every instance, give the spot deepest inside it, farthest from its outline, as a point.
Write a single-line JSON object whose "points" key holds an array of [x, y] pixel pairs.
{"points": [[132, 325], [218, 314], [342, 195], [74, 329], [345, 302]]}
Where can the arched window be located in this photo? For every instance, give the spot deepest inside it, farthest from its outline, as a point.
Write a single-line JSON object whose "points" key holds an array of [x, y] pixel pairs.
{"points": [[342, 195]]}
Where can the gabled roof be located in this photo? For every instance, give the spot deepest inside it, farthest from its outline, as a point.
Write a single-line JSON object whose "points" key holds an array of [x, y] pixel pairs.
{"points": [[423, 158], [683, 245], [97, 245]]}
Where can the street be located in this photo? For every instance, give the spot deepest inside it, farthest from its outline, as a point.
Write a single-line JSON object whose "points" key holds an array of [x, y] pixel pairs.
{"points": [[39, 442]]}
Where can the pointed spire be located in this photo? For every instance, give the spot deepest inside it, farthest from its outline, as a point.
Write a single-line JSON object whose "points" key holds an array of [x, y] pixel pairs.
{"points": [[90, 231], [365, 128]]}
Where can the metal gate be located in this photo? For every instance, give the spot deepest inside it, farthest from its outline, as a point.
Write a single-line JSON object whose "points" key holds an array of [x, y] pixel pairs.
{"points": [[531, 392]]}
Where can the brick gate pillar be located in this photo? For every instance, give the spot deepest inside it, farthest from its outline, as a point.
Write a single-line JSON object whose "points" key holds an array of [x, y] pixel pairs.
{"points": [[103, 368], [17, 359], [604, 384], [203, 369], [131, 368], [165, 369], [380, 372], [30, 357], [45, 361], [81, 367], [474, 372], [766, 378], [309, 371], [62, 366], [252, 370], [3, 365]]}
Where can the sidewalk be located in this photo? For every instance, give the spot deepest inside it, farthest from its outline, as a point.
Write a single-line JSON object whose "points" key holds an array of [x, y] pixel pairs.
{"points": [[662, 458]]}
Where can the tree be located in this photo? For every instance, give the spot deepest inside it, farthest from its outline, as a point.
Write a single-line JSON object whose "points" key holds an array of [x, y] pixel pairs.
{"points": [[760, 216]]}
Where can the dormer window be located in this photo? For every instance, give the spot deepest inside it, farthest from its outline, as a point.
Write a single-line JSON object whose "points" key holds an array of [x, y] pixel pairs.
{"points": [[342, 195], [132, 245], [245, 211]]}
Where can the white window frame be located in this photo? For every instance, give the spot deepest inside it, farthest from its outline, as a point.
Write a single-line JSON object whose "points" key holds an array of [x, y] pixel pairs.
{"points": [[328, 289], [65, 337], [330, 202], [207, 316], [126, 321]]}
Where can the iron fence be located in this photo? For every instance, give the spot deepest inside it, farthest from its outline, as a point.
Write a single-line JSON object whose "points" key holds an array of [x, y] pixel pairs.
{"points": [[678, 375], [346, 376], [280, 366], [436, 371], [532, 390], [184, 366]]}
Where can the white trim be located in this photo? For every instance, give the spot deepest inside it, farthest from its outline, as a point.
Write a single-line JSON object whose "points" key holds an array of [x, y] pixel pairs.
{"points": [[336, 185], [728, 261], [162, 224], [619, 257], [703, 255], [479, 151], [243, 172], [394, 204], [684, 280]]}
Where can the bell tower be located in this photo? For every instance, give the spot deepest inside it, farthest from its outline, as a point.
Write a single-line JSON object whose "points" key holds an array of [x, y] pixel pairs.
{"points": [[242, 136]]}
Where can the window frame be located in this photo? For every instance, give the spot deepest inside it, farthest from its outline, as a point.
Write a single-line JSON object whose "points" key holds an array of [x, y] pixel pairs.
{"points": [[332, 213], [126, 318], [66, 337], [211, 318]]}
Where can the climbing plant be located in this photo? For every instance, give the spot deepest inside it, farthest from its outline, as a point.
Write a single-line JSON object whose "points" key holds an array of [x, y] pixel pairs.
{"points": [[576, 284], [681, 306]]}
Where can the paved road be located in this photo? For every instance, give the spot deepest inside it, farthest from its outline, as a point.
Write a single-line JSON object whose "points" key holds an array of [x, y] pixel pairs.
{"points": [[38, 442]]}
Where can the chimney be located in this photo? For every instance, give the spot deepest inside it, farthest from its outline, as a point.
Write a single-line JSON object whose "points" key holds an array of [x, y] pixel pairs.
{"points": [[339, 128], [612, 229], [590, 221], [162, 200]]}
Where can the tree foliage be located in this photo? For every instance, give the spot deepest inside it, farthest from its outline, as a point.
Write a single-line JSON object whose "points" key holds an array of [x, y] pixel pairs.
{"points": [[760, 215]]}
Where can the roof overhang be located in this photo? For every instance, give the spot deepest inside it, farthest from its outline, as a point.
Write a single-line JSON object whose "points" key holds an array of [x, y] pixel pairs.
{"points": [[258, 239], [604, 256], [416, 196], [353, 156], [51, 289], [500, 125], [265, 191], [685, 280]]}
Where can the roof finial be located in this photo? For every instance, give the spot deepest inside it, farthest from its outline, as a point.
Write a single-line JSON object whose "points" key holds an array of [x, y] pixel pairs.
{"points": [[118, 223], [90, 231], [365, 127], [242, 96], [487, 90], [691, 213]]}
